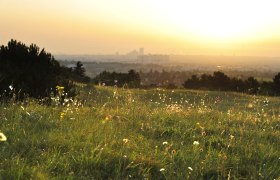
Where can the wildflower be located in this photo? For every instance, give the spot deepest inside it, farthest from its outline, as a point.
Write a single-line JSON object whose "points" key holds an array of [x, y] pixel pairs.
{"points": [[173, 151], [250, 105], [3, 137], [11, 87], [109, 117], [196, 143], [164, 143], [162, 169], [60, 88], [190, 168], [203, 133], [62, 114], [125, 141]]}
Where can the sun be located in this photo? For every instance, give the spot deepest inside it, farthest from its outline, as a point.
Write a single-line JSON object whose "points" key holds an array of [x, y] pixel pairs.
{"points": [[221, 20]]}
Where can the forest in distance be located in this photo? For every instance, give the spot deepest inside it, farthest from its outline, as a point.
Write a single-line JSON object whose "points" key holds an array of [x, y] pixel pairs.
{"points": [[20, 65], [250, 81], [175, 72]]}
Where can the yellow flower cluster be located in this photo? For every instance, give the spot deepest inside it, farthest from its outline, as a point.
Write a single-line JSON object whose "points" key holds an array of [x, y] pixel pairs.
{"points": [[60, 89]]}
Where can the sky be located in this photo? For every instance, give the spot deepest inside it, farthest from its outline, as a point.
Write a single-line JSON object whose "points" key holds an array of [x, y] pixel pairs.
{"points": [[202, 27]]}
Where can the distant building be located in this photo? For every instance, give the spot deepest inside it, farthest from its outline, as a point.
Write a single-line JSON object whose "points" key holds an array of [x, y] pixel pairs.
{"points": [[153, 58], [141, 52]]}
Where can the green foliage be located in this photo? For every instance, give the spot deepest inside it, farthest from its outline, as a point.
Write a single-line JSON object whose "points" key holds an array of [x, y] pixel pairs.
{"points": [[113, 133]]}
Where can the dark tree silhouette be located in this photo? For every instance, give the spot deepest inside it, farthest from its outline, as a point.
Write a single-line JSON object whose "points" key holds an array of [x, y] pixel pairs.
{"points": [[28, 71], [252, 85], [193, 83], [221, 82], [79, 73], [276, 83], [131, 79]]}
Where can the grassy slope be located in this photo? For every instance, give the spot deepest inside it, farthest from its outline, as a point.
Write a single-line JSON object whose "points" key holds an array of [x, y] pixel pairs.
{"points": [[119, 134]]}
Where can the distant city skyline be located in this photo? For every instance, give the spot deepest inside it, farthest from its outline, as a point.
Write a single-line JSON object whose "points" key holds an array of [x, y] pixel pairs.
{"points": [[202, 27]]}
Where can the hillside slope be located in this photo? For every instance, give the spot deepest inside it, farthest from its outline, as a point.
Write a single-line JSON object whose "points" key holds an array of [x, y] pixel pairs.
{"points": [[138, 134]]}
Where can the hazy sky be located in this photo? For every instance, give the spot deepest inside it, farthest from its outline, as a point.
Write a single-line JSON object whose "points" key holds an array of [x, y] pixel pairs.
{"points": [[240, 27]]}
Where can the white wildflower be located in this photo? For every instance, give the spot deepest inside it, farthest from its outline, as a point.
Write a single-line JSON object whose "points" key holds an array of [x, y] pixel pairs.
{"points": [[195, 143], [125, 141], [164, 143]]}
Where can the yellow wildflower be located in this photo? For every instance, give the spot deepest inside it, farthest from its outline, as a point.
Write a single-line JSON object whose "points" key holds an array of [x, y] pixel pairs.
{"points": [[62, 114], [3, 137], [108, 117], [250, 105], [60, 88]]}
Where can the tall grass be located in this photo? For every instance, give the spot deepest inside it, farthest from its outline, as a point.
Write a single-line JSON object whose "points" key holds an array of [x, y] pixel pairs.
{"points": [[111, 133]]}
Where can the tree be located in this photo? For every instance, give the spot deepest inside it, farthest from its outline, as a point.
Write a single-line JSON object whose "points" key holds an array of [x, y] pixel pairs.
{"points": [[193, 83], [28, 71], [252, 85], [79, 73], [131, 79], [276, 83], [220, 81]]}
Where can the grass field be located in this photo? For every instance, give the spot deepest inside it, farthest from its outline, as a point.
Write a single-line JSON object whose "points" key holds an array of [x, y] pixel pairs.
{"points": [[110, 133]]}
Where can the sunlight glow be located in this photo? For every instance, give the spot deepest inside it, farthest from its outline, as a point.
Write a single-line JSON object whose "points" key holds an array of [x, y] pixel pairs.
{"points": [[223, 20], [162, 26]]}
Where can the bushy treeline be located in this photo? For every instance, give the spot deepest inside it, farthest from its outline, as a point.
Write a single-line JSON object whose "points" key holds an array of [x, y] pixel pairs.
{"points": [[29, 71], [221, 82], [164, 78], [167, 78], [130, 79]]}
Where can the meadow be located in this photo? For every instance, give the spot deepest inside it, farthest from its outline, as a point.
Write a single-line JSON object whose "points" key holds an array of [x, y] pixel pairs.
{"points": [[118, 133]]}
